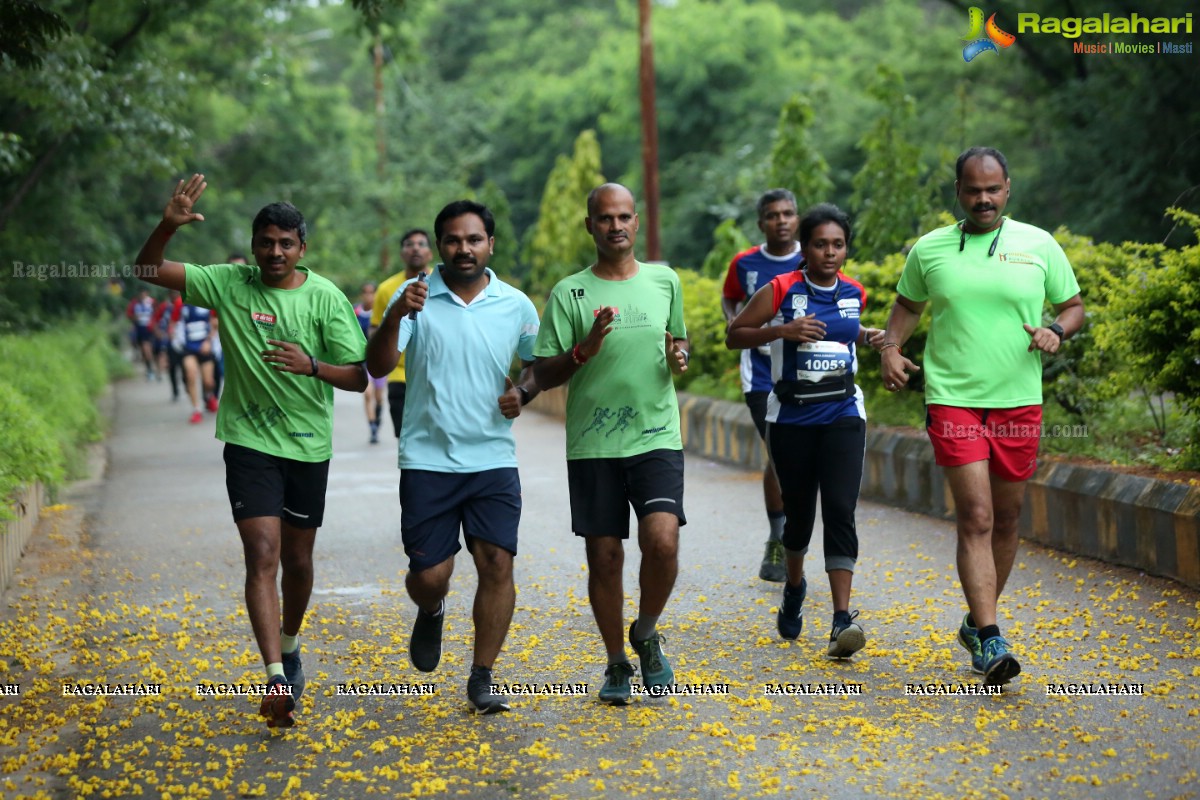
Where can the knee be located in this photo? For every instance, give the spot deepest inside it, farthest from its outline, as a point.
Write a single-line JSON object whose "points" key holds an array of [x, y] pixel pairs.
{"points": [[975, 520], [297, 564], [261, 560], [495, 566], [661, 548], [606, 562], [431, 579]]}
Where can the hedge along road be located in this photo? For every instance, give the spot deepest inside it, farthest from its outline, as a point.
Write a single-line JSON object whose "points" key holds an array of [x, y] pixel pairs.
{"points": [[138, 579]]}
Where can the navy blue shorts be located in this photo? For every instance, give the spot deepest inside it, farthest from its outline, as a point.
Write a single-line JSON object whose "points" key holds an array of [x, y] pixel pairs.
{"points": [[434, 506], [603, 489], [263, 485]]}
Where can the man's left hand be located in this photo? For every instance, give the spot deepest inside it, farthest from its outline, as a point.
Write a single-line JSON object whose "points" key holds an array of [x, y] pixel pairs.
{"points": [[288, 358], [1043, 339], [677, 357], [510, 401]]}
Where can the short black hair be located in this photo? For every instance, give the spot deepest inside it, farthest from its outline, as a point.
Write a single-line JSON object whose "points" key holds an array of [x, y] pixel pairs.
{"points": [[979, 152], [457, 209], [284, 216], [820, 214], [413, 232], [235, 254], [774, 196]]}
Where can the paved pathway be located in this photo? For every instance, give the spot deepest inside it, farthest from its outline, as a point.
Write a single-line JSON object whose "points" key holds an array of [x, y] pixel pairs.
{"points": [[139, 579]]}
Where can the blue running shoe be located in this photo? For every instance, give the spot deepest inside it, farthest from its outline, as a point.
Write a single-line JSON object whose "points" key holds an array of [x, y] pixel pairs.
{"points": [[999, 665], [656, 670], [790, 618], [293, 672], [968, 637], [616, 690]]}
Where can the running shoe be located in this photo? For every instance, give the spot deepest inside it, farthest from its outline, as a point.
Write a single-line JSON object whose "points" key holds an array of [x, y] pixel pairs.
{"points": [[790, 617], [846, 639], [773, 567], [374, 432], [968, 637], [656, 670], [999, 665], [278, 704], [425, 646], [211, 403], [293, 671], [483, 699], [616, 690], [196, 418]]}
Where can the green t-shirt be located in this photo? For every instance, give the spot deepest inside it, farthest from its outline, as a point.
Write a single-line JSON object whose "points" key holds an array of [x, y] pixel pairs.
{"points": [[278, 413], [977, 354], [622, 402]]}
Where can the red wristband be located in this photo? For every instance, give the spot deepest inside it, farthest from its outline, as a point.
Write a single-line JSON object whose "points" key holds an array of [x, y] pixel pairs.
{"points": [[577, 356]]}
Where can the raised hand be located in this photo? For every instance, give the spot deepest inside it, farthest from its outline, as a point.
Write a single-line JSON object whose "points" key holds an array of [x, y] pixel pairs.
{"points": [[179, 211], [592, 343]]}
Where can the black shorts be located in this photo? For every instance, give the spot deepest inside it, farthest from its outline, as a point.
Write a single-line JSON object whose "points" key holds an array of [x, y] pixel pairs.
{"points": [[263, 485], [757, 403], [201, 358], [396, 404], [603, 489], [434, 506]]}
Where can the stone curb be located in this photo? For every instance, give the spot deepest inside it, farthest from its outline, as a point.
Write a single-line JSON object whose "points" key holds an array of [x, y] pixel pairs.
{"points": [[1144, 523]]}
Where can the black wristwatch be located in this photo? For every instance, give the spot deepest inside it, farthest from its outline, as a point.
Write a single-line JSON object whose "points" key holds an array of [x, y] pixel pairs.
{"points": [[524, 394], [1058, 329]]}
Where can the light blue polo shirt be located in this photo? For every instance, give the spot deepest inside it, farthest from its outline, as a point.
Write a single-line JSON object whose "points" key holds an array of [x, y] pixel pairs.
{"points": [[457, 357]]}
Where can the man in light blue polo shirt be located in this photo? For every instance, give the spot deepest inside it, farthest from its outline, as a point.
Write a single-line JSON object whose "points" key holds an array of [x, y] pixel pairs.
{"points": [[458, 458]]}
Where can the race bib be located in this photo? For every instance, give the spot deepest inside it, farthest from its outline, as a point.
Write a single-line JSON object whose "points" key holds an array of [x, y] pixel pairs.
{"points": [[817, 361]]}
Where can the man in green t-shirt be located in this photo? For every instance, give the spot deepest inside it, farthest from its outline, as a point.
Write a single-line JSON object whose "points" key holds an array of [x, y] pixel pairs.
{"points": [[290, 337], [615, 332], [986, 280]]}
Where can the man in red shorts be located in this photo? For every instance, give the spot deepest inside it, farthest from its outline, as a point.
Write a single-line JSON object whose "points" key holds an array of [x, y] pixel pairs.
{"points": [[986, 280]]}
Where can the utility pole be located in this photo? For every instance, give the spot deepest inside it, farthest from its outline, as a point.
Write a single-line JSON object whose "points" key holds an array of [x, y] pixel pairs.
{"points": [[381, 153], [649, 132]]}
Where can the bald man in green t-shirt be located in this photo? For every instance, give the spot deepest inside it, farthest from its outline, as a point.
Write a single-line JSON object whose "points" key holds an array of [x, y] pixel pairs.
{"points": [[615, 332], [986, 281]]}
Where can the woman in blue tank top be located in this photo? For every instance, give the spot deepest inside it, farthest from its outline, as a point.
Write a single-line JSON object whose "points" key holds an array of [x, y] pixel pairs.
{"points": [[816, 423]]}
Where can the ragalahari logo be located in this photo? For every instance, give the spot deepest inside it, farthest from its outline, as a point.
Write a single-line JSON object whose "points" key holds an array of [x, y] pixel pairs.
{"points": [[982, 38]]}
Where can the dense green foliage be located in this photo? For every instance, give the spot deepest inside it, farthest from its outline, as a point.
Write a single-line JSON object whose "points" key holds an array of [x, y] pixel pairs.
{"points": [[864, 104], [48, 386]]}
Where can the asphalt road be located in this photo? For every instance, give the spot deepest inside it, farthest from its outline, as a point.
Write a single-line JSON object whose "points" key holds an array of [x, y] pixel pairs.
{"points": [[137, 578]]}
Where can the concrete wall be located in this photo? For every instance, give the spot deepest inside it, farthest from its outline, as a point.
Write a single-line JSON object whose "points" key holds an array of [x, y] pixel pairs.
{"points": [[1147, 524], [15, 533]]}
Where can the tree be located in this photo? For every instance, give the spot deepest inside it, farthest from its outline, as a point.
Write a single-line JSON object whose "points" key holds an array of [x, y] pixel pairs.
{"points": [[796, 164], [559, 244], [889, 194]]}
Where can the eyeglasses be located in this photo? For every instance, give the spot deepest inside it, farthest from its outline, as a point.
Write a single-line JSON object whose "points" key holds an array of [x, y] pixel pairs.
{"points": [[962, 240]]}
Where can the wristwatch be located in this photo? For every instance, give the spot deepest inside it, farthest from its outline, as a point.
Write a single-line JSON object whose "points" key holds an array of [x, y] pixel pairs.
{"points": [[524, 394], [1058, 329]]}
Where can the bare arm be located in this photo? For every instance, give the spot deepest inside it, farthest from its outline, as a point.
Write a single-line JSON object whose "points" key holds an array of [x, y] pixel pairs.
{"points": [[1069, 316], [288, 357], [894, 367], [729, 308], [749, 328], [151, 264], [383, 352]]}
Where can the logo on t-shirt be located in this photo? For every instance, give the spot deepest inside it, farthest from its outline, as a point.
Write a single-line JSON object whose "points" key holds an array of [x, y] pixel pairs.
{"points": [[1018, 258], [264, 322], [799, 302]]}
